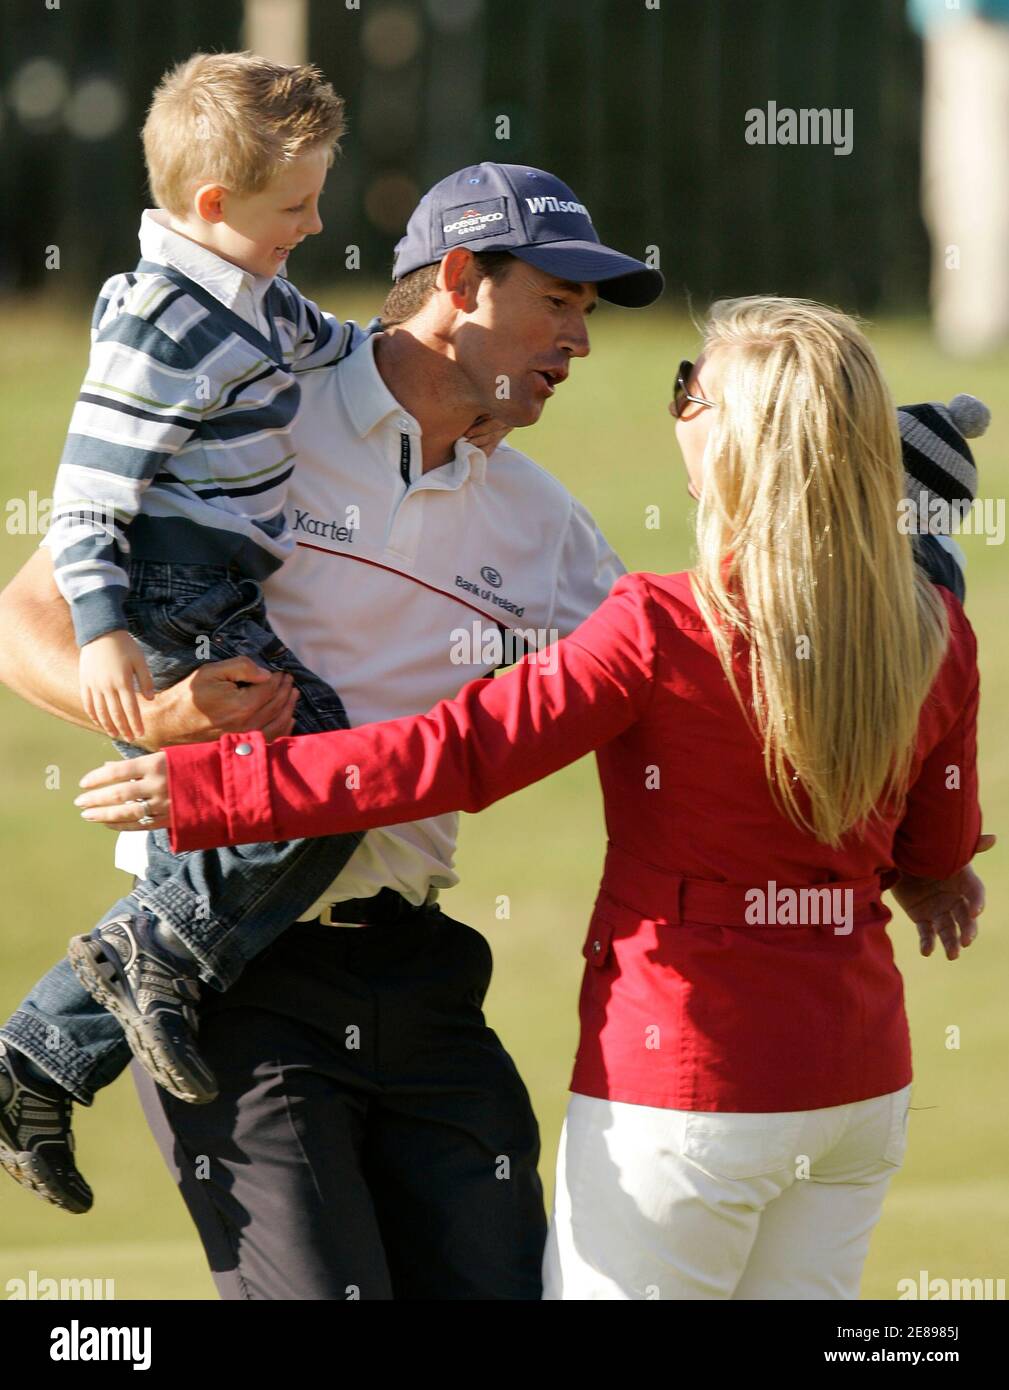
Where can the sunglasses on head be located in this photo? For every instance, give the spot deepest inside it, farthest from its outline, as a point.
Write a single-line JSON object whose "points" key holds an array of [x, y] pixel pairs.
{"points": [[680, 393]]}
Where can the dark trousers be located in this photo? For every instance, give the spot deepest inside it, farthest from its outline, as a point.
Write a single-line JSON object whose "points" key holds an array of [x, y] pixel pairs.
{"points": [[372, 1138]]}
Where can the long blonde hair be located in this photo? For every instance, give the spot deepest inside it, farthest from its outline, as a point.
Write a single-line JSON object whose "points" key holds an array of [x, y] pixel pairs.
{"points": [[800, 557]]}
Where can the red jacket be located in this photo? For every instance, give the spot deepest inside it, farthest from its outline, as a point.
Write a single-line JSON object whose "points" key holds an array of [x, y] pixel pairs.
{"points": [[686, 1002]]}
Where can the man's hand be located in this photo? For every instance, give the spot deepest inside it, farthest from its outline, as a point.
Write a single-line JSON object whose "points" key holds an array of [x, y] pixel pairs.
{"points": [[221, 697], [947, 908], [40, 661]]}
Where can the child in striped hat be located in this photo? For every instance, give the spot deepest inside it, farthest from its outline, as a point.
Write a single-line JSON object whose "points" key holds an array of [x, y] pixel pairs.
{"points": [[941, 481]]}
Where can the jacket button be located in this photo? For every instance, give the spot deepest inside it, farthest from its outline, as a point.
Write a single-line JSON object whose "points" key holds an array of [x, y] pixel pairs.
{"points": [[597, 946], [242, 748]]}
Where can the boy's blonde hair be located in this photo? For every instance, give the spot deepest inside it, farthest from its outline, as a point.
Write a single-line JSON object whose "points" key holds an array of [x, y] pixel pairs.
{"points": [[234, 119], [800, 557]]}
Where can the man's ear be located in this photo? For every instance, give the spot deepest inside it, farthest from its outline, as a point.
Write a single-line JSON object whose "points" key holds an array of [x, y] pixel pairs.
{"points": [[208, 202], [457, 275]]}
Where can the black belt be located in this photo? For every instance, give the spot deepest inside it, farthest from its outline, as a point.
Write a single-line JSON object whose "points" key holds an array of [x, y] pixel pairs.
{"points": [[386, 908]]}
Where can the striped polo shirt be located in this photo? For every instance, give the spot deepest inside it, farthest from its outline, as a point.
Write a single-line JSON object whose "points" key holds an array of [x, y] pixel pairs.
{"points": [[404, 585], [179, 447]]}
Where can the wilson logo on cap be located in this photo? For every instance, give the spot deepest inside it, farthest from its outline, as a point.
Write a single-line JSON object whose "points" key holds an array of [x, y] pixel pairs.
{"points": [[556, 205]]}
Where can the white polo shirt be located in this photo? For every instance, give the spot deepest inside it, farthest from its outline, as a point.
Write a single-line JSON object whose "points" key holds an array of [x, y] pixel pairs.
{"points": [[401, 581]]}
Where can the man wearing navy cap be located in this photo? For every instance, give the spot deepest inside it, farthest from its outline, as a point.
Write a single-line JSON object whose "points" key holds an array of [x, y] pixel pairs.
{"points": [[372, 1137], [531, 214]]}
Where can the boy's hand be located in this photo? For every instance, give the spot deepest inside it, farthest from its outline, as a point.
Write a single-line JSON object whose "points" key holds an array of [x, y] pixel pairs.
{"points": [[108, 666], [487, 433], [947, 908]]}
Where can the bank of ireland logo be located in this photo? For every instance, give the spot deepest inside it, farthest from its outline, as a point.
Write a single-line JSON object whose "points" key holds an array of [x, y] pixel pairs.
{"points": [[490, 576]]}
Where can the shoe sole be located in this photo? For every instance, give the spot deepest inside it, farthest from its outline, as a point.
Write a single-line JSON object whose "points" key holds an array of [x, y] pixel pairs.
{"points": [[33, 1172], [102, 977]]}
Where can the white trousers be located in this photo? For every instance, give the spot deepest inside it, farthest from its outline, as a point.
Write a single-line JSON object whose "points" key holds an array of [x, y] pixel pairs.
{"points": [[684, 1204]]}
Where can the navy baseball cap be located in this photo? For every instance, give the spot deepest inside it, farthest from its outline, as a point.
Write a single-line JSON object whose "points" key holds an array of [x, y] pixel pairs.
{"points": [[510, 207]]}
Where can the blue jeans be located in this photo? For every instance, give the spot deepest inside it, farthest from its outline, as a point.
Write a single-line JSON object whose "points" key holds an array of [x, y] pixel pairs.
{"points": [[227, 905]]}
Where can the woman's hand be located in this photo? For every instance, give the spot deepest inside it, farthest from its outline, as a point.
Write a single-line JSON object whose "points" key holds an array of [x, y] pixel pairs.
{"points": [[947, 908], [116, 791]]}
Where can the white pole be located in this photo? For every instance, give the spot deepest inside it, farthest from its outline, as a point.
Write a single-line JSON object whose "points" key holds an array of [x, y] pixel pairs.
{"points": [[277, 29]]}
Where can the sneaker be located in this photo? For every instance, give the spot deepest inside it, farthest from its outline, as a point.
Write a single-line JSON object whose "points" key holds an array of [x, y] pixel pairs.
{"points": [[145, 986], [36, 1146]]}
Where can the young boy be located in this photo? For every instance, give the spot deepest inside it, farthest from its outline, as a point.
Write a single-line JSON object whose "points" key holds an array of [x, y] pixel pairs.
{"points": [[168, 510], [939, 469]]}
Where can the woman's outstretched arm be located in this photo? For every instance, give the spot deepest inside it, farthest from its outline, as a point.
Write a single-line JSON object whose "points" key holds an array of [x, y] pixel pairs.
{"points": [[496, 736], [942, 818]]}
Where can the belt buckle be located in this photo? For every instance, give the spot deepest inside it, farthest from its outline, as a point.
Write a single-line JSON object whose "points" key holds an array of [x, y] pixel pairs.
{"points": [[327, 919]]}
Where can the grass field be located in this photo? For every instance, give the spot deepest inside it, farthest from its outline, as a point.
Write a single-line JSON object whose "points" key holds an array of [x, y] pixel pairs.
{"points": [[609, 438]]}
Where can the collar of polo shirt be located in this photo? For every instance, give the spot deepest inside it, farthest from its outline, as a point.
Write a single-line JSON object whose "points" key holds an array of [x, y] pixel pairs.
{"points": [[159, 242], [369, 403]]}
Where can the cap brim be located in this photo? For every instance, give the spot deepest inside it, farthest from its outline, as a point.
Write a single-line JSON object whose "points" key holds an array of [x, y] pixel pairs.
{"points": [[621, 279]]}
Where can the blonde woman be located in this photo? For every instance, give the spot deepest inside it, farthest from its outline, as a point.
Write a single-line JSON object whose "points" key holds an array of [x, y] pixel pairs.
{"points": [[781, 733]]}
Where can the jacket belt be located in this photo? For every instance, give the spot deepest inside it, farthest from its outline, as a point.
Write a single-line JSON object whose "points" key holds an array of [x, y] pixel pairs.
{"points": [[661, 895]]}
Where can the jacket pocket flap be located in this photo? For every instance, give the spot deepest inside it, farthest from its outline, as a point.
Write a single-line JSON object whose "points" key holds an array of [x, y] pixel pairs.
{"points": [[607, 917]]}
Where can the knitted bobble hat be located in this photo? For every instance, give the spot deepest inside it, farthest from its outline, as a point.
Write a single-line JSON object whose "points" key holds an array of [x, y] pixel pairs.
{"points": [[937, 458]]}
